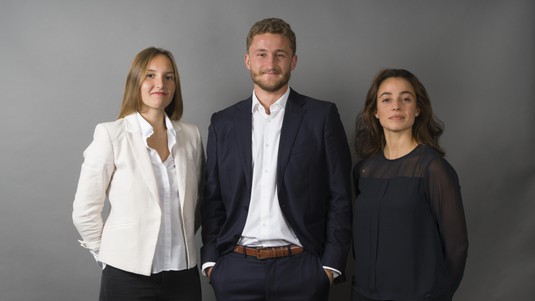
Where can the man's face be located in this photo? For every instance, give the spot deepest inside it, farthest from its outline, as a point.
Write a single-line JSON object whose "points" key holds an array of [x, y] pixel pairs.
{"points": [[270, 60]]}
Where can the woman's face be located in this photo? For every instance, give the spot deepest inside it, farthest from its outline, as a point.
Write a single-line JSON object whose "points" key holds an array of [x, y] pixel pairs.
{"points": [[396, 105], [158, 86]]}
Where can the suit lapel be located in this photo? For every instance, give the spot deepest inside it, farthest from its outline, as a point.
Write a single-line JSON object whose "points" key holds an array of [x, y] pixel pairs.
{"points": [[179, 154], [243, 127], [141, 155], [290, 126]]}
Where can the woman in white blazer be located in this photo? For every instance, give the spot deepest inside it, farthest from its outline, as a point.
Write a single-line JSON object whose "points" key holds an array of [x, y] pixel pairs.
{"points": [[148, 165]]}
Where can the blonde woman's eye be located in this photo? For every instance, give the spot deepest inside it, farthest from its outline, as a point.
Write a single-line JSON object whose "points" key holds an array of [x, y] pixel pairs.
{"points": [[149, 75]]}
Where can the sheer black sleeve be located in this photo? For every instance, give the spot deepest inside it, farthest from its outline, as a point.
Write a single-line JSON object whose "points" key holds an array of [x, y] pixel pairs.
{"points": [[444, 194]]}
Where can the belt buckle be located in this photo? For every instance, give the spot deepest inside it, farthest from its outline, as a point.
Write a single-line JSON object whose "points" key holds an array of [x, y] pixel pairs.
{"points": [[264, 253]]}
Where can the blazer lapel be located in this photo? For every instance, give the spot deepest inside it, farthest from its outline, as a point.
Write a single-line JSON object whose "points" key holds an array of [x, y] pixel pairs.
{"points": [[179, 154], [290, 126], [141, 155], [243, 127]]}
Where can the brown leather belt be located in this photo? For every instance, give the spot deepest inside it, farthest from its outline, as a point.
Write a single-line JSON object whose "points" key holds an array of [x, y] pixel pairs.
{"points": [[271, 252]]}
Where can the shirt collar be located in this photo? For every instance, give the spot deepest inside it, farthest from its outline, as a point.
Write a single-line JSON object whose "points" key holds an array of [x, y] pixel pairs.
{"points": [[281, 102], [147, 130]]}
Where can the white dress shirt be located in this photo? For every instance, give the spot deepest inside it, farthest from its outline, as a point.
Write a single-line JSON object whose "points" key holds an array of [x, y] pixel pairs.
{"points": [[170, 254], [265, 225]]}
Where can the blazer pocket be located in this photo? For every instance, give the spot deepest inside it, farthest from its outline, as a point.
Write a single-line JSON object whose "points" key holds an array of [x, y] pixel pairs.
{"points": [[118, 226]]}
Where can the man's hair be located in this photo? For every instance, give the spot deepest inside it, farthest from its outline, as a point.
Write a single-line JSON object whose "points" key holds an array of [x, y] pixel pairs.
{"points": [[274, 26]]}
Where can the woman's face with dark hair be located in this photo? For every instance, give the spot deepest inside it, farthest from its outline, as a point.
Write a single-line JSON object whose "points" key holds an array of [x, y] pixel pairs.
{"points": [[396, 105]]}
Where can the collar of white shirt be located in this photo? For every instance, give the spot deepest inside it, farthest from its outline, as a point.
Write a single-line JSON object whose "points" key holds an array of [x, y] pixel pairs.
{"points": [[147, 130], [281, 102]]}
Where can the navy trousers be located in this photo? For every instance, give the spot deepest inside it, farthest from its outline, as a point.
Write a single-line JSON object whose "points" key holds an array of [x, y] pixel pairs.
{"points": [[120, 285], [301, 277]]}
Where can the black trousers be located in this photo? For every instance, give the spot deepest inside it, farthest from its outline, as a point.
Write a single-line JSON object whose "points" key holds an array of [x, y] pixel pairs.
{"points": [[301, 277], [119, 285]]}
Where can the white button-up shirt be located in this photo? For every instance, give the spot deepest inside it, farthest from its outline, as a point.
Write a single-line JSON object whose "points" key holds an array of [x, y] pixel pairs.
{"points": [[265, 225], [170, 252]]}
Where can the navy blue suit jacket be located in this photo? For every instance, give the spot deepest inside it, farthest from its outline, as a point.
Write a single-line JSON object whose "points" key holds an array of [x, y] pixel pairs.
{"points": [[313, 179]]}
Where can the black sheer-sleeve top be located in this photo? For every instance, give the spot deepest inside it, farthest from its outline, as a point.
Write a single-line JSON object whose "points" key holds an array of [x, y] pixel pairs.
{"points": [[409, 231]]}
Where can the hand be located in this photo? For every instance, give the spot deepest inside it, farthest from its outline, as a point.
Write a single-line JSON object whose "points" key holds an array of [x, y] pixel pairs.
{"points": [[209, 272], [329, 275]]}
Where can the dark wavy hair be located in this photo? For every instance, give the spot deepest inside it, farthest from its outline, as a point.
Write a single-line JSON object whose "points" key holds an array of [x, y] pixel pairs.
{"points": [[369, 135]]}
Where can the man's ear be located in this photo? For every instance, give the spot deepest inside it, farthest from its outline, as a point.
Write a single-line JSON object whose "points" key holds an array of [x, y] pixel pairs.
{"points": [[294, 62], [247, 61]]}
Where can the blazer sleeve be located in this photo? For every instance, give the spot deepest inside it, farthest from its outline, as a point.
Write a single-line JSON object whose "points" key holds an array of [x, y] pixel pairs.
{"points": [[213, 210], [97, 170], [339, 212], [201, 162]]}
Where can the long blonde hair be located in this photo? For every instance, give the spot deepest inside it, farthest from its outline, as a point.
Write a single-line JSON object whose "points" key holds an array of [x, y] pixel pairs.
{"points": [[132, 92]]}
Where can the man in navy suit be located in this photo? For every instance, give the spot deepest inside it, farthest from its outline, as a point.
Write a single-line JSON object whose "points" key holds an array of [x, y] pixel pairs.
{"points": [[277, 210]]}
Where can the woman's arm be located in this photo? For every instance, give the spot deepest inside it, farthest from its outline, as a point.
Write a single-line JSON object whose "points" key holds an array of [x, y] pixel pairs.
{"points": [[446, 202], [95, 176]]}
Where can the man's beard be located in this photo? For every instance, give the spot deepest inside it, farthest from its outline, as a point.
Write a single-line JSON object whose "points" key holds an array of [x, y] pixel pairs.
{"points": [[271, 86]]}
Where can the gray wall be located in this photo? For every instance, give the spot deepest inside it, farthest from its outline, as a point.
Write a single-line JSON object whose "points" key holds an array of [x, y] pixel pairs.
{"points": [[63, 66]]}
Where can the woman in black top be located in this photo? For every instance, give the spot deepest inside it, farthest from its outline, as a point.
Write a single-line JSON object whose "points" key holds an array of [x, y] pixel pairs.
{"points": [[409, 229]]}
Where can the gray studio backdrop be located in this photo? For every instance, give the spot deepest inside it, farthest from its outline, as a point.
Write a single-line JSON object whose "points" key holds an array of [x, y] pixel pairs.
{"points": [[63, 66]]}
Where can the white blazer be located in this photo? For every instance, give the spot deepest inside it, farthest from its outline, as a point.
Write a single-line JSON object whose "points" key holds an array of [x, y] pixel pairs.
{"points": [[117, 167]]}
